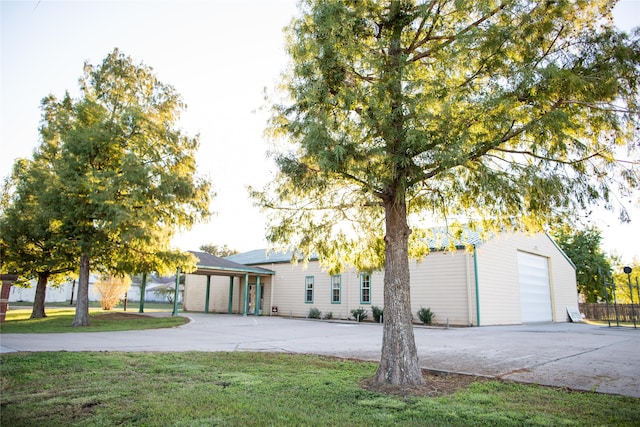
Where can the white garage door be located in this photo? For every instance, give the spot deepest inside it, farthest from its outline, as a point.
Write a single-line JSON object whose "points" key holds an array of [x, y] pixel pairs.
{"points": [[535, 292]]}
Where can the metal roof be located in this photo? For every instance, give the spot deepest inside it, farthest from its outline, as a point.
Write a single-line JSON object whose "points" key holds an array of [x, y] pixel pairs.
{"points": [[212, 265]]}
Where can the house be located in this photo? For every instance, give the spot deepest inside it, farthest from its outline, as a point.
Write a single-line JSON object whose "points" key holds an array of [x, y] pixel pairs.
{"points": [[508, 279]]}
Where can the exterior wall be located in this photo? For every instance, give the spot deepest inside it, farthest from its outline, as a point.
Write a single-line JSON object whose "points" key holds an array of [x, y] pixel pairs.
{"points": [[445, 283], [288, 291], [499, 291]]}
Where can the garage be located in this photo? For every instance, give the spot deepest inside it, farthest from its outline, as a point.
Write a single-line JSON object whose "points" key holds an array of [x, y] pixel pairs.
{"points": [[535, 290]]}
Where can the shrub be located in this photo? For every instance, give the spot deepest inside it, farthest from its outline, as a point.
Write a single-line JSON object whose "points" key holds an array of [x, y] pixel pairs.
{"points": [[314, 313], [328, 316], [112, 289], [377, 313], [425, 315], [359, 314]]}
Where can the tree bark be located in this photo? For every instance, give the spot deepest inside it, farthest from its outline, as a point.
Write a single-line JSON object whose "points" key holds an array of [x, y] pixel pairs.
{"points": [[82, 301], [399, 360], [41, 293]]}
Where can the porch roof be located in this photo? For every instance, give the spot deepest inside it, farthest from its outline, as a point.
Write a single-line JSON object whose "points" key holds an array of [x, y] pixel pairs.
{"points": [[211, 265]]}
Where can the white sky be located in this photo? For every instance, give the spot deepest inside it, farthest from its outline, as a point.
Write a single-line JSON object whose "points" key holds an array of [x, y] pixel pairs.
{"points": [[219, 55]]}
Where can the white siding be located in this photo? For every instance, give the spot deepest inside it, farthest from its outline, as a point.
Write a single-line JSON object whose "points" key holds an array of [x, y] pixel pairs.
{"points": [[289, 291], [441, 282], [498, 278]]}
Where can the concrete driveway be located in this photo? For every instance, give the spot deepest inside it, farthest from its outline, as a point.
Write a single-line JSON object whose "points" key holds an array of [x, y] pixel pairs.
{"points": [[578, 356]]}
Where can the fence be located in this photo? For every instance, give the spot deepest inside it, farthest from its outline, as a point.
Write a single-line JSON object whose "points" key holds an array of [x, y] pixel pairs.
{"points": [[602, 311]]}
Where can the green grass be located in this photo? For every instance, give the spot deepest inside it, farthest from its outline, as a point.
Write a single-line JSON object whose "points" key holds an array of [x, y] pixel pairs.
{"points": [[59, 320], [206, 389]]}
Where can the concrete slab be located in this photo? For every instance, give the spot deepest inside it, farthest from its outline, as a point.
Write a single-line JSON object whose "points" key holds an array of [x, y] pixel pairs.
{"points": [[577, 356]]}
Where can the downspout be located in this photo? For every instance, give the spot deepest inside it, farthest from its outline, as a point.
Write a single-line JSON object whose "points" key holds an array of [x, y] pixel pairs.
{"points": [[475, 271], [231, 294], [208, 294]]}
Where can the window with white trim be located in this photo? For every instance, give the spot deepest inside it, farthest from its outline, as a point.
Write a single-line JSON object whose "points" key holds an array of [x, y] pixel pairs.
{"points": [[365, 288], [336, 289], [308, 290]]}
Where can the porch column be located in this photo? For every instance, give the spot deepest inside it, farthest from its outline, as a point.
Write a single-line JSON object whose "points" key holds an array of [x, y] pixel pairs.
{"points": [[206, 298], [245, 305], [176, 294], [258, 296], [230, 294]]}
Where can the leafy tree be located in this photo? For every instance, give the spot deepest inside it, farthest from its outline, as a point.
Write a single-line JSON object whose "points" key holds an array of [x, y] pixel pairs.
{"points": [[126, 174], [503, 114], [30, 234], [583, 247], [219, 251]]}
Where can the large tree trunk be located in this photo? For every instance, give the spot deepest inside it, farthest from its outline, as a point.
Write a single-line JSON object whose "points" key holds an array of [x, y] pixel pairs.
{"points": [[41, 293], [399, 360], [82, 300]]}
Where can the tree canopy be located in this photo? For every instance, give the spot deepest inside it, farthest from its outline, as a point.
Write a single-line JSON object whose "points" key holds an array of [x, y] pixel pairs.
{"points": [[498, 114], [126, 174], [217, 250], [593, 267]]}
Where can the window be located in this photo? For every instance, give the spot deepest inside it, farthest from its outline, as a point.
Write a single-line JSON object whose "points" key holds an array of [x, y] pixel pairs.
{"points": [[336, 285], [308, 290], [365, 288]]}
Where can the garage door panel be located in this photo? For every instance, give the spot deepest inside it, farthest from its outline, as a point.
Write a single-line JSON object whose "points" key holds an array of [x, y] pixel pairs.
{"points": [[535, 291]]}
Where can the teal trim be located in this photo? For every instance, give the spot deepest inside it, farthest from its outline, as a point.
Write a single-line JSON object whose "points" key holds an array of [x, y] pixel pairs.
{"points": [[258, 296], [207, 295], [143, 289], [362, 301], [339, 301], [176, 294], [245, 305], [230, 294], [475, 270], [306, 288]]}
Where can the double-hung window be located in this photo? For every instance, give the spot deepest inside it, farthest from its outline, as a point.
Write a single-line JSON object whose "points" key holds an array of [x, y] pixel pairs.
{"points": [[308, 290], [336, 289], [365, 288]]}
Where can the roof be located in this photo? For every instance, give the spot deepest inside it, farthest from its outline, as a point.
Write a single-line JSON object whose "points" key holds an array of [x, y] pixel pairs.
{"points": [[438, 242], [264, 256], [211, 264]]}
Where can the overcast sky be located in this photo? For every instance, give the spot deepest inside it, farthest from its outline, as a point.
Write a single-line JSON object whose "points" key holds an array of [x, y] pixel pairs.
{"points": [[219, 55]]}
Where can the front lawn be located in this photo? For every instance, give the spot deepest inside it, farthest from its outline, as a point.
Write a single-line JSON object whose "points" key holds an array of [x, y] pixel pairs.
{"points": [[59, 320], [206, 389]]}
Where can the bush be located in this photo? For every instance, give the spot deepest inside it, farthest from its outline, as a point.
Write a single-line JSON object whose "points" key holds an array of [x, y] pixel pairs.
{"points": [[359, 314], [314, 313], [425, 315], [377, 313], [111, 290], [328, 316]]}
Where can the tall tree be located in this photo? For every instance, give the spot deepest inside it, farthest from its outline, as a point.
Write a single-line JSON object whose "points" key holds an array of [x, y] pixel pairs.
{"points": [[34, 246], [496, 113], [127, 174], [593, 268]]}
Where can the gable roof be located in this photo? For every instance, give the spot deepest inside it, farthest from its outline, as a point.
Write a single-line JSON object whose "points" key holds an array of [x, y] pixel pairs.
{"points": [[213, 265]]}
